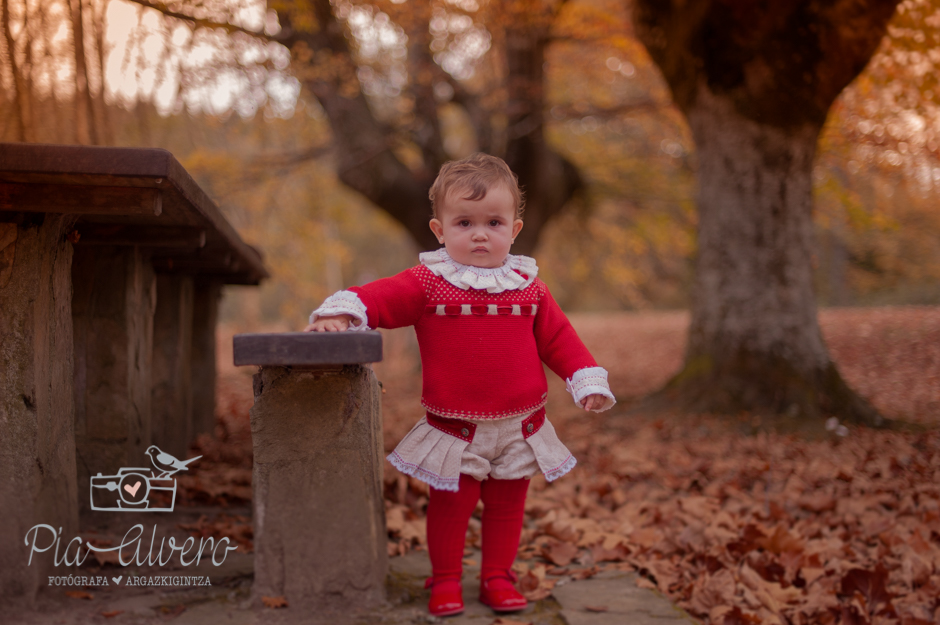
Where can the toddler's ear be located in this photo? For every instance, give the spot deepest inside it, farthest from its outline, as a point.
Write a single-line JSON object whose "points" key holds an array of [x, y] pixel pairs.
{"points": [[437, 228], [516, 227]]}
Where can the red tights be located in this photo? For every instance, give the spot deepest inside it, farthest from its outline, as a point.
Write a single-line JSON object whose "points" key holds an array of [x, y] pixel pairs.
{"points": [[448, 516]]}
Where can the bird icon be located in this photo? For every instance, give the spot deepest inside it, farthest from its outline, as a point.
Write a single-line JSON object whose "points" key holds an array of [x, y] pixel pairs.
{"points": [[166, 463]]}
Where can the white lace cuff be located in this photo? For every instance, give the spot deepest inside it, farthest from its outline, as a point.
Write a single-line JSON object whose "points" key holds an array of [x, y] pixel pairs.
{"points": [[590, 381], [343, 303]]}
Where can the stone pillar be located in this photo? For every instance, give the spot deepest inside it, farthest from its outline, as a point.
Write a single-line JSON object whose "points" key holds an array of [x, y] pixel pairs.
{"points": [[37, 435], [172, 396], [112, 310], [319, 515], [206, 295]]}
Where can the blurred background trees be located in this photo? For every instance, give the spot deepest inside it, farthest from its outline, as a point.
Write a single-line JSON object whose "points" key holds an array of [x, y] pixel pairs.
{"points": [[215, 86]]}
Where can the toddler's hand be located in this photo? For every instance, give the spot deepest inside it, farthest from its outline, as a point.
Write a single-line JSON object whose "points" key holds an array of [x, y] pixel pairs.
{"points": [[337, 323], [593, 402]]}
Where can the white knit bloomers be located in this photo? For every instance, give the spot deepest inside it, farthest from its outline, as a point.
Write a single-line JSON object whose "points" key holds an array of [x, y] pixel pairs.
{"points": [[498, 449]]}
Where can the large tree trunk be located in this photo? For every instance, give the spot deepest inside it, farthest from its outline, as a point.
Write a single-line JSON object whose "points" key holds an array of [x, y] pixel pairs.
{"points": [[102, 119], [549, 180], [755, 83], [84, 113], [20, 91], [755, 340]]}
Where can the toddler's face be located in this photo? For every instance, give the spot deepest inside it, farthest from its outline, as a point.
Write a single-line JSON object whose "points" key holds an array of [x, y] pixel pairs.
{"points": [[478, 232]]}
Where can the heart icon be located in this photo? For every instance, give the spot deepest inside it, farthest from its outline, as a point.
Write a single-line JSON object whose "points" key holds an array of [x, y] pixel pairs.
{"points": [[132, 491], [117, 580]]}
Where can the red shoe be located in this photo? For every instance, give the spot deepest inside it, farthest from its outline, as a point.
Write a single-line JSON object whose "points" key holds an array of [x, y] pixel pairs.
{"points": [[500, 595], [446, 596]]}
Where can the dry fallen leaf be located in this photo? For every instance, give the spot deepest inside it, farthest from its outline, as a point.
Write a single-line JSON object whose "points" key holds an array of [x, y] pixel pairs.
{"points": [[579, 574], [562, 530], [107, 557], [172, 611], [236, 528], [112, 613], [79, 594], [274, 602], [535, 588], [559, 554], [596, 608], [601, 554], [646, 537], [509, 621], [737, 616], [871, 585]]}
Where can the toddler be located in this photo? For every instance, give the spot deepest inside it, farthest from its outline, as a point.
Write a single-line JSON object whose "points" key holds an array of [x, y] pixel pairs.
{"points": [[485, 323]]}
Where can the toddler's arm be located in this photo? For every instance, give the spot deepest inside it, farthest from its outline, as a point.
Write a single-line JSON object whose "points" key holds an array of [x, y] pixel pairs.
{"points": [[335, 323], [565, 354], [385, 303]]}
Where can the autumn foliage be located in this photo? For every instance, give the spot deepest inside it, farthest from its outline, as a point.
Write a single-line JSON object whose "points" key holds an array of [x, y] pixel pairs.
{"points": [[626, 243]]}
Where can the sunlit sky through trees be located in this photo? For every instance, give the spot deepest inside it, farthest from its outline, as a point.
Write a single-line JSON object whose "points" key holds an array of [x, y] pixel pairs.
{"points": [[151, 59]]}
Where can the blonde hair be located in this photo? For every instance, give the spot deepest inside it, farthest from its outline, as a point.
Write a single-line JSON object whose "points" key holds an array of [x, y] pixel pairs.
{"points": [[476, 174]]}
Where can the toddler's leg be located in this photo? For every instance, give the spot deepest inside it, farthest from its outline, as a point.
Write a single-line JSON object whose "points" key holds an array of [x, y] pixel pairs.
{"points": [[503, 512], [448, 516]]}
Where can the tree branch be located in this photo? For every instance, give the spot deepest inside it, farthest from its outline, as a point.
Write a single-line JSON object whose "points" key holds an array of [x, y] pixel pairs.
{"points": [[365, 159], [479, 116], [646, 104], [425, 129], [199, 22], [290, 159]]}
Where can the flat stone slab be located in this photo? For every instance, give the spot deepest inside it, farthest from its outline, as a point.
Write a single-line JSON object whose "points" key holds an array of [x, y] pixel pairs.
{"points": [[293, 349], [624, 602]]}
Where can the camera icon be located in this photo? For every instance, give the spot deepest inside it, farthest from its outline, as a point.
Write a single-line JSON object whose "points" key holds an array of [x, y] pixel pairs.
{"points": [[132, 489], [139, 489]]}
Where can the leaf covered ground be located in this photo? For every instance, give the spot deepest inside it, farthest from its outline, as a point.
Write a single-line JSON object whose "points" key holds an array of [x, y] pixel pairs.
{"points": [[735, 527]]}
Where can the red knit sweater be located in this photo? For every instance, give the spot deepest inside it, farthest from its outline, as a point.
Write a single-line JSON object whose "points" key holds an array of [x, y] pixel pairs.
{"points": [[481, 353]]}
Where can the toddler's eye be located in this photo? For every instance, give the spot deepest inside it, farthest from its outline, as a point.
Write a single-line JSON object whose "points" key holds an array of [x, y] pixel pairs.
{"points": [[494, 222], [464, 223]]}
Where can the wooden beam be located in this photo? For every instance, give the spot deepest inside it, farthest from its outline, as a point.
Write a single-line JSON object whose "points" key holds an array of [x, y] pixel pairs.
{"points": [[307, 348], [144, 236], [221, 262], [80, 199]]}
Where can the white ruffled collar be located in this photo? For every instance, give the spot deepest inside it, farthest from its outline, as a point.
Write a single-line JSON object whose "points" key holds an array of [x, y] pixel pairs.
{"points": [[516, 272]]}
